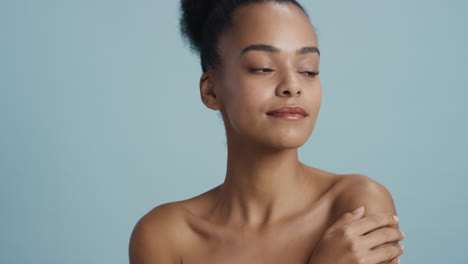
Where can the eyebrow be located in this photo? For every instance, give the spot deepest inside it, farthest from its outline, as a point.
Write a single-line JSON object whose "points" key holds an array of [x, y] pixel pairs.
{"points": [[270, 48]]}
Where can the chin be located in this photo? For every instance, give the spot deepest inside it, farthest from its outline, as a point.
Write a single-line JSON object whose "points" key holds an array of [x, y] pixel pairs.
{"points": [[284, 142], [277, 136]]}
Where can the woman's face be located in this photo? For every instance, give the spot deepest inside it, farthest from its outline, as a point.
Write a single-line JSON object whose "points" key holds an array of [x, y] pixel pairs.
{"points": [[250, 84]]}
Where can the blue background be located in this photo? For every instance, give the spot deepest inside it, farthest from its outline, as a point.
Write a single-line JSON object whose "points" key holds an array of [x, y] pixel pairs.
{"points": [[101, 120]]}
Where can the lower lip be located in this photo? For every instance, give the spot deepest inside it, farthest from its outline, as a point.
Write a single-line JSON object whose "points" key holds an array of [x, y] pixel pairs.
{"points": [[289, 116]]}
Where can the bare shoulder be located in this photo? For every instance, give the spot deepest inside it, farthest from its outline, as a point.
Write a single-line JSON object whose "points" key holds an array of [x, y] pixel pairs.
{"points": [[355, 190], [157, 235]]}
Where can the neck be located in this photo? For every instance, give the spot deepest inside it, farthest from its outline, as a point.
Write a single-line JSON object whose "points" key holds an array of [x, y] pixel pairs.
{"points": [[261, 185]]}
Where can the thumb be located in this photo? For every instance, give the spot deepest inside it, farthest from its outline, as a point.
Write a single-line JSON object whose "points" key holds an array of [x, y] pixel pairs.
{"points": [[347, 218]]}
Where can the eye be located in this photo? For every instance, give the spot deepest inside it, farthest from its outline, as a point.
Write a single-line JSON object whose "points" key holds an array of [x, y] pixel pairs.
{"points": [[311, 73], [260, 70]]}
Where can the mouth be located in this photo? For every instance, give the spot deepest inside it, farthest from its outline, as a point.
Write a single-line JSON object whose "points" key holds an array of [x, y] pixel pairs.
{"points": [[289, 112]]}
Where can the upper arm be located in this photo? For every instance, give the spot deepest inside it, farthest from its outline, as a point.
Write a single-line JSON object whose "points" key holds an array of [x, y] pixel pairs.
{"points": [[151, 240], [360, 190]]}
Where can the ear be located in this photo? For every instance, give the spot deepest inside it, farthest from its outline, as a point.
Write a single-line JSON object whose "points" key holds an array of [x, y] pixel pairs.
{"points": [[207, 91]]}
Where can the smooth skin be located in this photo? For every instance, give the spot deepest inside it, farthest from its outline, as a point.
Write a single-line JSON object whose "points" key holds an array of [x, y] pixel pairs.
{"points": [[271, 207]]}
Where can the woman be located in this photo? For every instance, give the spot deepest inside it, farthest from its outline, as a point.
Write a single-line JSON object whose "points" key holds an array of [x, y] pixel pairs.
{"points": [[260, 62]]}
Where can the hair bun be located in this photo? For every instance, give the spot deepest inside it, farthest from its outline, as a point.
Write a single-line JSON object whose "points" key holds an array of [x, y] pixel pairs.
{"points": [[194, 14]]}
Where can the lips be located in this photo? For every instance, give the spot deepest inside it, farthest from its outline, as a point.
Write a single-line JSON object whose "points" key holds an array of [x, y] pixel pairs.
{"points": [[289, 110]]}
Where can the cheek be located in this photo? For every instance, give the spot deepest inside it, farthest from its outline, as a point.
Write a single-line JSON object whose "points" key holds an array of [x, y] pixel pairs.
{"points": [[245, 105], [317, 98], [242, 95]]}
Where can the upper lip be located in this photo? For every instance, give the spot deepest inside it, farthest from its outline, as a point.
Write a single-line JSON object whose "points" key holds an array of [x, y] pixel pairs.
{"points": [[289, 109]]}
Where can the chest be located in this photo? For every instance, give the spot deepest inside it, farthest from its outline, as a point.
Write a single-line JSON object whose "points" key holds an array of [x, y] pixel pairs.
{"points": [[293, 242]]}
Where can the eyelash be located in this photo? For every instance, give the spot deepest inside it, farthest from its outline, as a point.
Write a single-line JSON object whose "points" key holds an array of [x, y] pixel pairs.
{"points": [[309, 73]]}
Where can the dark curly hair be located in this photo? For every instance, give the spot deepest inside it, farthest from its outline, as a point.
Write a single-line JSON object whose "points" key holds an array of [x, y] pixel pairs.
{"points": [[203, 21]]}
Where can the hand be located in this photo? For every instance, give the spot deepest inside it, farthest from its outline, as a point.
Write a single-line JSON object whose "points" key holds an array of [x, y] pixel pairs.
{"points": [[354, 239]]}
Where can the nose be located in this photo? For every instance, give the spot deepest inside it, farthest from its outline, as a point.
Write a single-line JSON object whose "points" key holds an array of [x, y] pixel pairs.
{"points": [[289, 86]]}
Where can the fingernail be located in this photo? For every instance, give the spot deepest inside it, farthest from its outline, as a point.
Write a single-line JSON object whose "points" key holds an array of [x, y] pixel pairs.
{"points": [[402, 247], [403, 233], [396, 218], [358, 210], [398, 260]]}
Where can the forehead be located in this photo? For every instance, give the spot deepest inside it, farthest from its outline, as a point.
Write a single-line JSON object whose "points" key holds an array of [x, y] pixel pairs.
{"points": [[282, 25]]}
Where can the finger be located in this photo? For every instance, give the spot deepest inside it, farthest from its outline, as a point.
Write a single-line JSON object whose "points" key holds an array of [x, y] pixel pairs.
{"points": [[347, 218], [372, 222], [385, 253], [381, 236]]}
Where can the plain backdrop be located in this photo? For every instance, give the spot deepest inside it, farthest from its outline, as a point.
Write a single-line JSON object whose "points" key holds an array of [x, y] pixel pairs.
{"points": [[101, 120]]}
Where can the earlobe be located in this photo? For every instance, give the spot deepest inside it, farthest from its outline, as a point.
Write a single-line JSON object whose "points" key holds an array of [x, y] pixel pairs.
{"points": [[207, 91]]}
